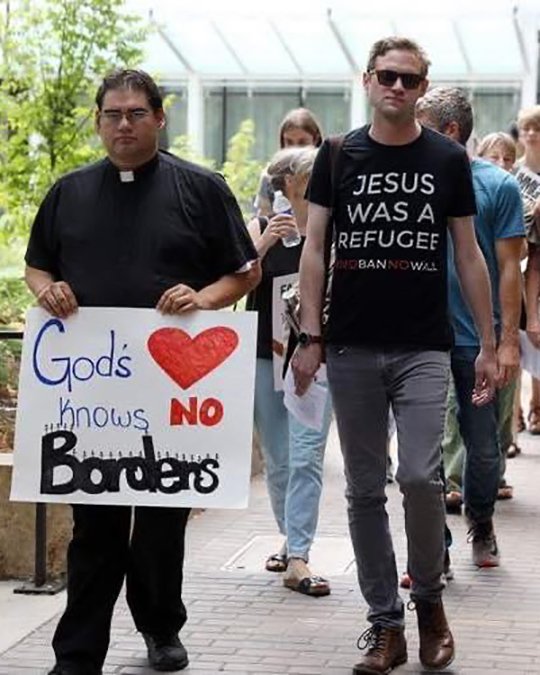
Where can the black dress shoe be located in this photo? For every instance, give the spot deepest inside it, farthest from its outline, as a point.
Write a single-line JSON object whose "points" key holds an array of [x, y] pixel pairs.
{"points": [[166, 653], [72, 670]]}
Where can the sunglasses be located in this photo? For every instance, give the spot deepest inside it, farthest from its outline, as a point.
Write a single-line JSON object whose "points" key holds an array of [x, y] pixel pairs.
{"points": [[389, 77]]}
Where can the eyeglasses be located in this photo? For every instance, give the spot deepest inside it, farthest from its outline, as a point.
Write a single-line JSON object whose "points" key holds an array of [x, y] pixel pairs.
{"points": [[389, 77], [114, 117]]}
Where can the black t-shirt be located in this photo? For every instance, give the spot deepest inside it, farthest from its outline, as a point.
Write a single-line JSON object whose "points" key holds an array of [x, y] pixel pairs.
{"points": [[390, 210], [122, 244], [278, 261]]}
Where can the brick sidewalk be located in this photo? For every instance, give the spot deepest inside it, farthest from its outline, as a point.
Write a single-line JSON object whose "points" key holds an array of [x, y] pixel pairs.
{"points": [[243, 621]]}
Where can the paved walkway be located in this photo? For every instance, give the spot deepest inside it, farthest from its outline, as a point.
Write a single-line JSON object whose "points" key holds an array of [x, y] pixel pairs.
{"points": [[242, 621]]}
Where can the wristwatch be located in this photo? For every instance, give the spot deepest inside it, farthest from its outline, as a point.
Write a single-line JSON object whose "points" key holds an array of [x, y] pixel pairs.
{"points": [[306, 339]]}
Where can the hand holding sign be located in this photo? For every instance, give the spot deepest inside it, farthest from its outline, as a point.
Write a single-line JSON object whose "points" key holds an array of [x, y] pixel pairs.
{"points": [[58, 299], [179, 299]]}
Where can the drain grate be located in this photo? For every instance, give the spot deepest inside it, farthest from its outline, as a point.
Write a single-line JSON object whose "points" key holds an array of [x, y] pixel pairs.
{"points": [[329, 556]]}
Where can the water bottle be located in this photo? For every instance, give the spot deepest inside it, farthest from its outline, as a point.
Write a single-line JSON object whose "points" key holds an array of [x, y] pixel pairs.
{"points": [[283, 205]]}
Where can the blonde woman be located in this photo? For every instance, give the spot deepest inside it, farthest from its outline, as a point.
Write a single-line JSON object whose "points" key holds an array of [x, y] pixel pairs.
{"points": [[293, 452]]}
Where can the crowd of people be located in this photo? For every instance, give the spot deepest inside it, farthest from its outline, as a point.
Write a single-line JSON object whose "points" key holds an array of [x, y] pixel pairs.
{"points": [[411, 295], [391, 363]]}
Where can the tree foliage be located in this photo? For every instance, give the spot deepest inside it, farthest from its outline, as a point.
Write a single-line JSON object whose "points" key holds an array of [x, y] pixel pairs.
{"points": [[53, 54], [240, 170], [182, 146]]}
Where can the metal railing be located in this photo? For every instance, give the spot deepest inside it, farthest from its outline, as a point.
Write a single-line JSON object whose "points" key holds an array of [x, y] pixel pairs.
{"points": [[40, 583]]}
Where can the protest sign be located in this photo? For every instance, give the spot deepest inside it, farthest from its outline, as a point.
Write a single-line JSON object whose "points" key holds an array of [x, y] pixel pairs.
{"points": [[280, 327], [529, 186], [129, 406]]}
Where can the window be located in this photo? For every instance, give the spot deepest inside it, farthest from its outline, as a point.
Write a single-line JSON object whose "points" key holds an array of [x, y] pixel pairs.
{"points": [[494, 109], [225, 108], [176, 109]]}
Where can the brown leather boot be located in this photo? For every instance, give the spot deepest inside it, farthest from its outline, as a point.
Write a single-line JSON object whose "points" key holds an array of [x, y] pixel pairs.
{"points": [[436, 641], [386, 649]]}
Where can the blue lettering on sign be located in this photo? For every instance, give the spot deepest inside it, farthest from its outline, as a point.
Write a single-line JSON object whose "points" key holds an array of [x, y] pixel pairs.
{"points": [[82, 368], [100, 416]]}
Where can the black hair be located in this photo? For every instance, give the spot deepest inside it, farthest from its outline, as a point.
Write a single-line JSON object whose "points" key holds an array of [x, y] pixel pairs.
{"points": [[137, 80]]}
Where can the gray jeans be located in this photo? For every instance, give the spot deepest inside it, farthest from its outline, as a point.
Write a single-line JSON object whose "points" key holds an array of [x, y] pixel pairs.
{"points": [[364, 383]]}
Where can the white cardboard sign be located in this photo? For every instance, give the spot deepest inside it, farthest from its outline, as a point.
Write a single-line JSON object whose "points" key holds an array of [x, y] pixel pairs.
{"points": [[280, 328], [128, 406]]}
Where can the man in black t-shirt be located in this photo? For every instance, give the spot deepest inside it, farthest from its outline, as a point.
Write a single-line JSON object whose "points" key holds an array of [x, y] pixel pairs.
{"points": [[140, 228], [398, 190]]}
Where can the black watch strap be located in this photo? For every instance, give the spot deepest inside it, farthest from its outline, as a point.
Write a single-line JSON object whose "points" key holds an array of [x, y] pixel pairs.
{"points": [[305, 339]]}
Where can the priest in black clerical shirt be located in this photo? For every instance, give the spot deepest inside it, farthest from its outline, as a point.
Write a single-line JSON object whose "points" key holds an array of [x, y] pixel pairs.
{"points": [[140, 228]]}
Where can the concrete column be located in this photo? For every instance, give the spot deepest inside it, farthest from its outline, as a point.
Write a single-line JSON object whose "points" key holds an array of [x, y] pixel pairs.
{"points": [[358, 103], [529, 25], [195, 113], [529, 93]]}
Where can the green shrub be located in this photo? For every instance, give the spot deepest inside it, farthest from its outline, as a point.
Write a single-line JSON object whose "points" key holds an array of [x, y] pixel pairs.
{"points": [[240, 170]]}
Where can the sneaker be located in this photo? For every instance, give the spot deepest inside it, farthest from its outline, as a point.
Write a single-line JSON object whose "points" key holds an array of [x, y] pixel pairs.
{"points": [[513, 450], [505, 492], [166, 654], [448, 573], [386, 649], [453, 501], [534, 421], [485, 552], [436, 641]]}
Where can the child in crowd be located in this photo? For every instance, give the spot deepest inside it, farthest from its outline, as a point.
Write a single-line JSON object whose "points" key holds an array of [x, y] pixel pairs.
{"points": [[498, 148]]}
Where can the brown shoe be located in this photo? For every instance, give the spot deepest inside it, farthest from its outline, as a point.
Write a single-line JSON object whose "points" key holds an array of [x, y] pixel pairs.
{"points": [[386, 649], [436, 641]]}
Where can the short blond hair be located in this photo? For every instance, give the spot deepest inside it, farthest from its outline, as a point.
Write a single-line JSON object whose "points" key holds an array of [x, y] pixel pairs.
{"points": [[529, 116], [497, 138], [291, 161]]}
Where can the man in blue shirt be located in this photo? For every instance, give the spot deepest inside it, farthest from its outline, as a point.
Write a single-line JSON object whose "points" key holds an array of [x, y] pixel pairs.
{"points": [[499, 230]]}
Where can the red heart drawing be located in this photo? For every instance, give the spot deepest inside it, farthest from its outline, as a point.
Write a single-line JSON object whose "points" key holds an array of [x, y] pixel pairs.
{"points": [[187, 360]]}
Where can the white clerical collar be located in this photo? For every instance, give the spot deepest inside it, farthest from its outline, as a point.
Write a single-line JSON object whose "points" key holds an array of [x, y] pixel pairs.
{"points": [[127, 176]]}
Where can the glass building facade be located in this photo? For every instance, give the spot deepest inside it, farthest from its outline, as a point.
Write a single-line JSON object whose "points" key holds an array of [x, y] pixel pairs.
{"points": [[224, 69]]}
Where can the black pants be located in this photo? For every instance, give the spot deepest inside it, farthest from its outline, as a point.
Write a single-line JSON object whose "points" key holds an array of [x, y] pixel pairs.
{"points": [[104, 550]]}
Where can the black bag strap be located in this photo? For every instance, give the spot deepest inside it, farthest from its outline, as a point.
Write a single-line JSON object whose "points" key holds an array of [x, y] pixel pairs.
{"points": [[336, 143]]}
